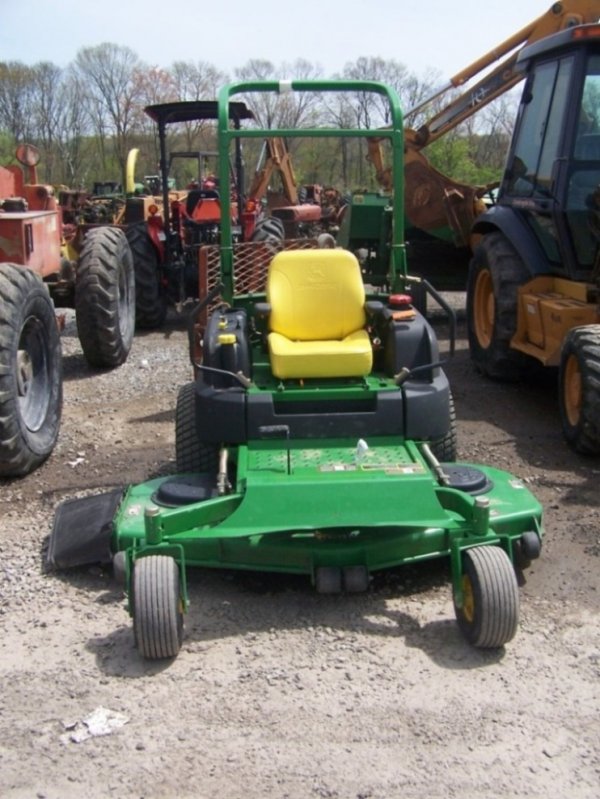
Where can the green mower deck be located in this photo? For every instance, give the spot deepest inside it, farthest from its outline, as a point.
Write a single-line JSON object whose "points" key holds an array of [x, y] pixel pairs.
{"points": [[332, 508], [334, 511]]}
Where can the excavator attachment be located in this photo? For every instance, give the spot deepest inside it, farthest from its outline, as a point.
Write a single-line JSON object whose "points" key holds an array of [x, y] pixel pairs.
{"points": [[434, 202]]}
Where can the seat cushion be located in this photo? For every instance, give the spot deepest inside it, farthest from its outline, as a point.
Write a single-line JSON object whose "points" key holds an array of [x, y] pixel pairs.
{"points": [[351, 356]]}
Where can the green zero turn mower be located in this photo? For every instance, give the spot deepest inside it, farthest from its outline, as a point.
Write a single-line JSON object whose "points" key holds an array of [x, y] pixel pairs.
{"points": [[317, 438]]}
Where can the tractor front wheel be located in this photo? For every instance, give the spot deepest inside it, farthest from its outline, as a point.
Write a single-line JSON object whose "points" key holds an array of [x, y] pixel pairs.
{"points": [[495, 273], [30, 372], [579, 389], [105, 297], [489, 613], [157, 607]]}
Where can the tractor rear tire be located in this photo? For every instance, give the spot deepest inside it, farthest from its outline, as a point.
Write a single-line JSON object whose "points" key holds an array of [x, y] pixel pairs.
{"points": [[495, 273], [30, 372], [105, 297], [150, 299], [579, 389], [269, 229], [157, 607], [489, 615], [191, 455]]}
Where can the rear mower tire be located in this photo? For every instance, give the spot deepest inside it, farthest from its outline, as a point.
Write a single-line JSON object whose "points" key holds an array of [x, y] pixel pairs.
{"points": [[157, 607], [489, 615], [105, 297], [445, 448], [30, 372], [191, 455]]}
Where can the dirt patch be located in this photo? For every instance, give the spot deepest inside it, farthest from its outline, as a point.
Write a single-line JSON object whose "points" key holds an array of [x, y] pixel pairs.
{"points": [[278, 691]]}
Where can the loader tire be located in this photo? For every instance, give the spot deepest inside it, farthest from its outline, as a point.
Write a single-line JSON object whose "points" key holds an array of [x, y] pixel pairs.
{"points": [[579, 389], [191, 455], [30, 372], [495, 273], [105, 297], [150, 298]]}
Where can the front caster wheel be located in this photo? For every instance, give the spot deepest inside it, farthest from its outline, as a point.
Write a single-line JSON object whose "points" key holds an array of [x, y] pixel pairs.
{"points": [[157, 607], [489, 614]]}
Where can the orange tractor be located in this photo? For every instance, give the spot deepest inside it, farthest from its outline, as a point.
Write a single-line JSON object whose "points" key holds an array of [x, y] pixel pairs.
{"points": [[166, 232], [36, 276]]}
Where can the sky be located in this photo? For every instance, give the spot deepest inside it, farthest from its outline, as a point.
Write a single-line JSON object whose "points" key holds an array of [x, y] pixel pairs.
{"points": [[440, 35]]}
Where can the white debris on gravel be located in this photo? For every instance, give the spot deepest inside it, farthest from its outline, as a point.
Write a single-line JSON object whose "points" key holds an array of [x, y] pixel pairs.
{"points": [[101, 721]]}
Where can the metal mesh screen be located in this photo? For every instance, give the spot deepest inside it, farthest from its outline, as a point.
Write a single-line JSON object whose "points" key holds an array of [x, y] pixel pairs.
{"points": [[250, 264]]}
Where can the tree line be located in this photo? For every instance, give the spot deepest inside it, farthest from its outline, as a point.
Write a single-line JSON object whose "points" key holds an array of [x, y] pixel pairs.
{"points": [[86, 117]]}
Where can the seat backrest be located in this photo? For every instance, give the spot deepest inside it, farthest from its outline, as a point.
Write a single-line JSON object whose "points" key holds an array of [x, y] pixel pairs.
{"points": [[315, 295]]}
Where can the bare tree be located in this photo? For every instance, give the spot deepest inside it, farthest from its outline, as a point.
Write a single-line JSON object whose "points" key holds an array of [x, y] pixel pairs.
{"points": [[112, 94], [47, 110], [16, 89], [72, 128], [339, 112], [197, 81], [283, 109]]}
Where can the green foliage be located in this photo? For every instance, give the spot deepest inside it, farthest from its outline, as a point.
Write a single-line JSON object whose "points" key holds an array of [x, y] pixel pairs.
{"points": [[7, 148], [459, 157]]}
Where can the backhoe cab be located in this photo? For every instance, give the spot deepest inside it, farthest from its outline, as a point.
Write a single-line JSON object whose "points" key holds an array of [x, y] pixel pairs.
{"points": [[534, 281]]}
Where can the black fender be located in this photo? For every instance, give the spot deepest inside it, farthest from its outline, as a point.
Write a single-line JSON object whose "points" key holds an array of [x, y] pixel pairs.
{"points": [[508, 221]]}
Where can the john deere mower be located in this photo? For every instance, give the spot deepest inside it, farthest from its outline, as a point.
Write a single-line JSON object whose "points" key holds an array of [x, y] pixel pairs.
{"points": [[317, 438]]}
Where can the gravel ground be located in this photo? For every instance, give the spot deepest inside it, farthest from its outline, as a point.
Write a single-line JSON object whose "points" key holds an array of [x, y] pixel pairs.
{"points": [[280, 692]]}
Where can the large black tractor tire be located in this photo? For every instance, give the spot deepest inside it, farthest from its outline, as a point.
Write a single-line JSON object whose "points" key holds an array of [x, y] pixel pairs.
{"points": [[269, 229], [150, 298], [489, 615], [191, 455], [579, 389], [30, 372], [495, 273], [157, 607], [105, 297]]}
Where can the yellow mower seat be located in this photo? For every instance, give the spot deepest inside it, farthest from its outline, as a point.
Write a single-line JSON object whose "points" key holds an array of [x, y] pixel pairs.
{"points": [[317, 315]]}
